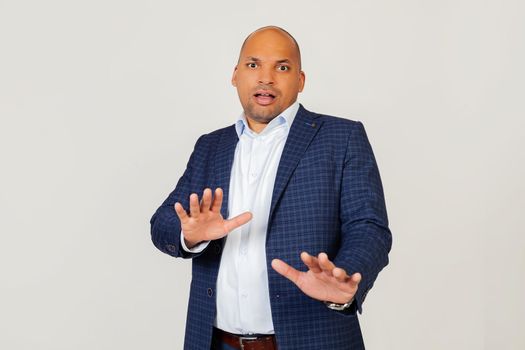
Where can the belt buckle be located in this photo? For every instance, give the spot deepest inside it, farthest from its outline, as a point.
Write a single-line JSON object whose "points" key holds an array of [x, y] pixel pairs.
{"points": [[242, 338]]}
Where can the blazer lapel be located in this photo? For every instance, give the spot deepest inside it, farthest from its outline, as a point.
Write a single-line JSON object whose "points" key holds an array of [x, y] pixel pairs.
{"points": [[223, 164], [302, 131]]}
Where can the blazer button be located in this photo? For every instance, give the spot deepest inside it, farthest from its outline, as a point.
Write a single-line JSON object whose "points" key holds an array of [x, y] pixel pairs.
{"points": [[210, 292], [171, 248]]}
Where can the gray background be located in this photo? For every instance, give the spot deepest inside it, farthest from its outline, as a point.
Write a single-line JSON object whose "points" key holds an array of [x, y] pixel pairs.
{"points": [[101, 103]]}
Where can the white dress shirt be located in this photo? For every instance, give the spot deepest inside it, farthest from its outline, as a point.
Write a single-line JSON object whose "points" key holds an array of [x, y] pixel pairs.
{"points": [[243, 300]]}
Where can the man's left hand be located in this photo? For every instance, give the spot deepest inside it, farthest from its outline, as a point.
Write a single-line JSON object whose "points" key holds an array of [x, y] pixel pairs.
{"points": [[323, 281]]}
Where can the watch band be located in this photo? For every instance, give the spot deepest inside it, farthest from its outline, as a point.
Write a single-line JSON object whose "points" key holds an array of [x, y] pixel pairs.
{"points": [[338, 307]]}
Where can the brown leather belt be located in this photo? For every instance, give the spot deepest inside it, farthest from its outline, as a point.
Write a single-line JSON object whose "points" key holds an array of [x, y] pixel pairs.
{"points": [[259, 342]]}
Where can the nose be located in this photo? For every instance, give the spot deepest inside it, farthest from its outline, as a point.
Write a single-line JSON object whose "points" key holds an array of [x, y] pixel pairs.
{"points": [[265, 76]]}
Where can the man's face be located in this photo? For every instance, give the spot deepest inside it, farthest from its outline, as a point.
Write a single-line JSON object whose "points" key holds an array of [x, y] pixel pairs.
{"points": [[268, 76]]}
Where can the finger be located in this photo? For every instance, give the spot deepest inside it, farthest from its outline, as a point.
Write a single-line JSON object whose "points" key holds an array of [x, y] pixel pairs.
{"points": [[285, 270], [340, 274], [237, 221], [181, 213], [355, 279], [206, 200], [217, 201], [325, 264], [311, 262], [194, 206]]}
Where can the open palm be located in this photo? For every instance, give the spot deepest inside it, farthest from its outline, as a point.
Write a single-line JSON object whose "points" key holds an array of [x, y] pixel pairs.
{"points": [[323, 280], [205, 222]]}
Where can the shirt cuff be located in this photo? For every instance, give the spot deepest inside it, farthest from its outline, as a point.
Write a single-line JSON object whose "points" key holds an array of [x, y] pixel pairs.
{"points": [[197, 249]]}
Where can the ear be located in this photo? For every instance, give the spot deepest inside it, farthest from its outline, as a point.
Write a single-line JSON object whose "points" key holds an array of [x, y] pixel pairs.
{"points": [[234, 77], [302, 79]]}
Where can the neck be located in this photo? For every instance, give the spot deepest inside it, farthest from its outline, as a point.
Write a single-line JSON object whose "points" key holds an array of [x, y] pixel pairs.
{"points": [[255, 126]]}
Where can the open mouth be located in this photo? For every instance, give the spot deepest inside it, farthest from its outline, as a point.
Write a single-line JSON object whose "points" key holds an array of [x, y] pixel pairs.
{"points": [[264, 98]]}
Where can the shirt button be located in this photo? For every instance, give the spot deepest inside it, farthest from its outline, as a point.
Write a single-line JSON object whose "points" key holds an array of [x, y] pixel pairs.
{"points": [[254, 174], [210, 292]]}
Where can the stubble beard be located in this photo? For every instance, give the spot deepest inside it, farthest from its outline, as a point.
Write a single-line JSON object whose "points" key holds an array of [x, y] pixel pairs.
{"points": [[260, 115]]}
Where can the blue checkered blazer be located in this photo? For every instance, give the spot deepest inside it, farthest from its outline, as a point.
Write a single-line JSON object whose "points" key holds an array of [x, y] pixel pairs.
{"points": [[327, 197]]}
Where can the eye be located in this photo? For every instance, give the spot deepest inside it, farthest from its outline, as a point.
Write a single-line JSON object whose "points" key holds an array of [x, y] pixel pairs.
{"points": [[252, 65], [283, 68]]}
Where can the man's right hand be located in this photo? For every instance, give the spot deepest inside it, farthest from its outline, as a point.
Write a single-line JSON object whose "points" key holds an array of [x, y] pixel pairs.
{"points": [[205, 222]]}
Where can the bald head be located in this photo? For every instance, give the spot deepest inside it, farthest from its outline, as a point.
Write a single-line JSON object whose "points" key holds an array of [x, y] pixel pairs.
{"points": [[268, 75], [277, 30]]}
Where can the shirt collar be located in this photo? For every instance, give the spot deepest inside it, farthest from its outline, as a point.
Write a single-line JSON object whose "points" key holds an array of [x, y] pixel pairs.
{"points": [[286, 117]]}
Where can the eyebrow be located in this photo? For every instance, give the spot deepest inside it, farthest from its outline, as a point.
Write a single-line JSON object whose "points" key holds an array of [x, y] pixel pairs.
{"points": [[256, 59], [284, 61]]}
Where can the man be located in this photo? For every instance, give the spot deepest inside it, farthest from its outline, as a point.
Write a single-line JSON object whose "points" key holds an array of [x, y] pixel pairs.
{"points": [[300, 190]]}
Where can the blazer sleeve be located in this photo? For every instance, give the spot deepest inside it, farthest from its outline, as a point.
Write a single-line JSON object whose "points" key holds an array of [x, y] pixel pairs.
{"points": [[165, 224], [365, 237]]}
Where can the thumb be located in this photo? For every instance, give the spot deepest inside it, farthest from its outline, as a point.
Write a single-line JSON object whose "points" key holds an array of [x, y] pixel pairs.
{"points": [[285, 270], [237, 221]]}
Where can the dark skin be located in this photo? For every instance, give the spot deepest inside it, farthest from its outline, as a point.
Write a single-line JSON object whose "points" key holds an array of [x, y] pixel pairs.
{"points": [[269, 63], [268, 79]]}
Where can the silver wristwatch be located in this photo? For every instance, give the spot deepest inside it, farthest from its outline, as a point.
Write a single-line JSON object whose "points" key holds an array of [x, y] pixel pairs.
{"points": [[338, 307]]}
